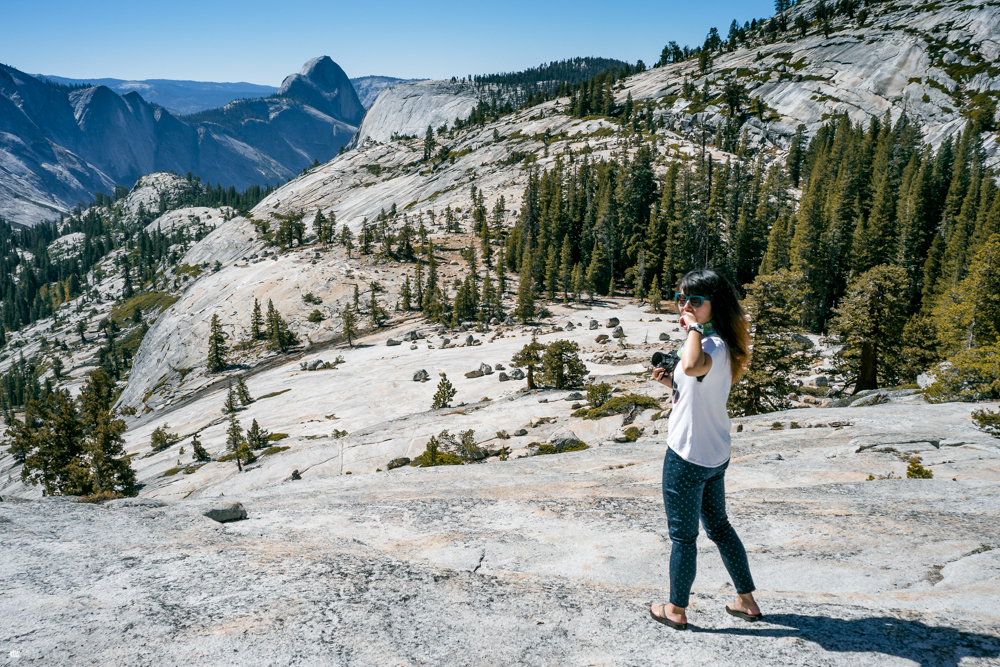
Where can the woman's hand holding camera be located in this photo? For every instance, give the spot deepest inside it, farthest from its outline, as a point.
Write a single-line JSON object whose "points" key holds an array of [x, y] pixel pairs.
{"points": [[664, 377]]}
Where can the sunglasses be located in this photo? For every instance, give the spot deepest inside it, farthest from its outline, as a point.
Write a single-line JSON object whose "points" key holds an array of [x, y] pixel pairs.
{"points": [[695, 301]]}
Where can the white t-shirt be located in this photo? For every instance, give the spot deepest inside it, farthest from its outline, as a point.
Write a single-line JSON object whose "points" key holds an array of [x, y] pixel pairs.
{"points": [[699, 425]]}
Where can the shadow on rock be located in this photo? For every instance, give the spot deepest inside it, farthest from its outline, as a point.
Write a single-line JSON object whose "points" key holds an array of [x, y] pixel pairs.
{"points": [[926, 645]]}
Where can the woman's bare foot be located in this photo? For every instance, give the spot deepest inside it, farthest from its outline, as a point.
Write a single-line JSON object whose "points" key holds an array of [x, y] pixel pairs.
{"points": [[670, 612], [746, 604]]}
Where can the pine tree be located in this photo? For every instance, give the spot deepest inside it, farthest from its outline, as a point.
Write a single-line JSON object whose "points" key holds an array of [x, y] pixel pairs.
{"points": [[235, 440], [552, 272], [566, 268], [406, 294], [428, 144], [968, 315], [376, 313], [279, 336], [529, 358], [774, 306], [242, 391], [562, 366], [199, 453], [579, 283], [217, 349], [349, 324], [347, 239], [110, 469], [319, 226], [445, 393], [256, 322], [655, 295], [257, 437], [869, 322], [231, 403], [525, 310]]}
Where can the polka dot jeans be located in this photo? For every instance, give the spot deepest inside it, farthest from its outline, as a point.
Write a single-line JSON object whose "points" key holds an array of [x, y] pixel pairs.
{"points": [[690, 491]]}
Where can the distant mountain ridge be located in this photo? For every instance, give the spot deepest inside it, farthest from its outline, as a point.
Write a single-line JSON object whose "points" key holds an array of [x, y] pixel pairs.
{"points": [[182, 97], [59, 145], [178, 96]]}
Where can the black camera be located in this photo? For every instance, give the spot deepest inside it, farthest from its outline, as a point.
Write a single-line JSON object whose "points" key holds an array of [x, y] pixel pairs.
{"points": [[666, 360]]}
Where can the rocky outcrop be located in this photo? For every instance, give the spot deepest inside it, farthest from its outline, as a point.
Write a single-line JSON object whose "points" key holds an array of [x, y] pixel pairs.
{"points": [[407, 109]]}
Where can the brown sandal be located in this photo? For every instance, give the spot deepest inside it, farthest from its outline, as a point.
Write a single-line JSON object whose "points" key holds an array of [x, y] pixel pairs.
{"points": [[666, 621], [753, 618]]}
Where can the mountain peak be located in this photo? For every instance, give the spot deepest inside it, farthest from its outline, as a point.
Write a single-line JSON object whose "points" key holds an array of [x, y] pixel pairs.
{"points": [[324, 85]]}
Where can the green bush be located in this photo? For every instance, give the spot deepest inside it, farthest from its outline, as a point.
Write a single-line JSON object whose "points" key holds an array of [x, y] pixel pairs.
{"points": [[315, 316], [433, 456], [916, 471], [972, 375], [632, 433], [599, 394], [544, 449], [162, 439], [988, 421], [619, 405]]}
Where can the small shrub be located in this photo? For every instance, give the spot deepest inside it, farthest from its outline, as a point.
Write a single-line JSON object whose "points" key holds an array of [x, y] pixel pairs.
{"points": [[503, 435], [504, 453], [545, 448], [599, 394], [273, 450], [632, 433], [309, 297], [916, 471], [275, 437], [987, 421], [619, 405], [398, 463], [433, 456], [338, 433], [162, 439], [315, 316]]}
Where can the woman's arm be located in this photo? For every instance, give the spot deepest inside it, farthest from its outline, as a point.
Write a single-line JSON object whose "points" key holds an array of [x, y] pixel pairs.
{"points": [[694, 360]]}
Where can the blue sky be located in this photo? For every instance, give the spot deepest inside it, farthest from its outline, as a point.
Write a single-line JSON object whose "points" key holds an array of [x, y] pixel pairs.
{"points": [[261, 42]]}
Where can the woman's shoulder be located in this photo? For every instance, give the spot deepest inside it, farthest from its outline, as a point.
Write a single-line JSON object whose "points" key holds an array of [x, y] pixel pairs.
{"points": [[713, 343]]}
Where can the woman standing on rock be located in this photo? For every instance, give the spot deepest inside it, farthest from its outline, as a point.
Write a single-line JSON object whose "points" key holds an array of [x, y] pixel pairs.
{"points": [[713, 357]]}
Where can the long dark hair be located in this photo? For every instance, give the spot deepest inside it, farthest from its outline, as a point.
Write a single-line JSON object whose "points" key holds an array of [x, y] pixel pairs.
{"points": [[727, 314]]}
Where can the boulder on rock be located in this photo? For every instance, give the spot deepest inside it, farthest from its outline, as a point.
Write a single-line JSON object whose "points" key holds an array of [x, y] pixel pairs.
{"points": [[594, 324], [475, 374], [315, 364], [398, 463], [470, 340], [486, 369], [603, 338], [817, 381], [575, 396], [519, 432], [509, 321], [500, 367], [875, 398], [421, 376], [802, 340], [224, 511], [517, 374], [392, 342], [618, 332], [504, 377], [612, 323], [564, 438], [664, 336]]}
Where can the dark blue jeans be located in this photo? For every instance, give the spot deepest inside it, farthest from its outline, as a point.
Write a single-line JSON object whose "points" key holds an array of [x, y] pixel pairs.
{"points": [[691, 491]]}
